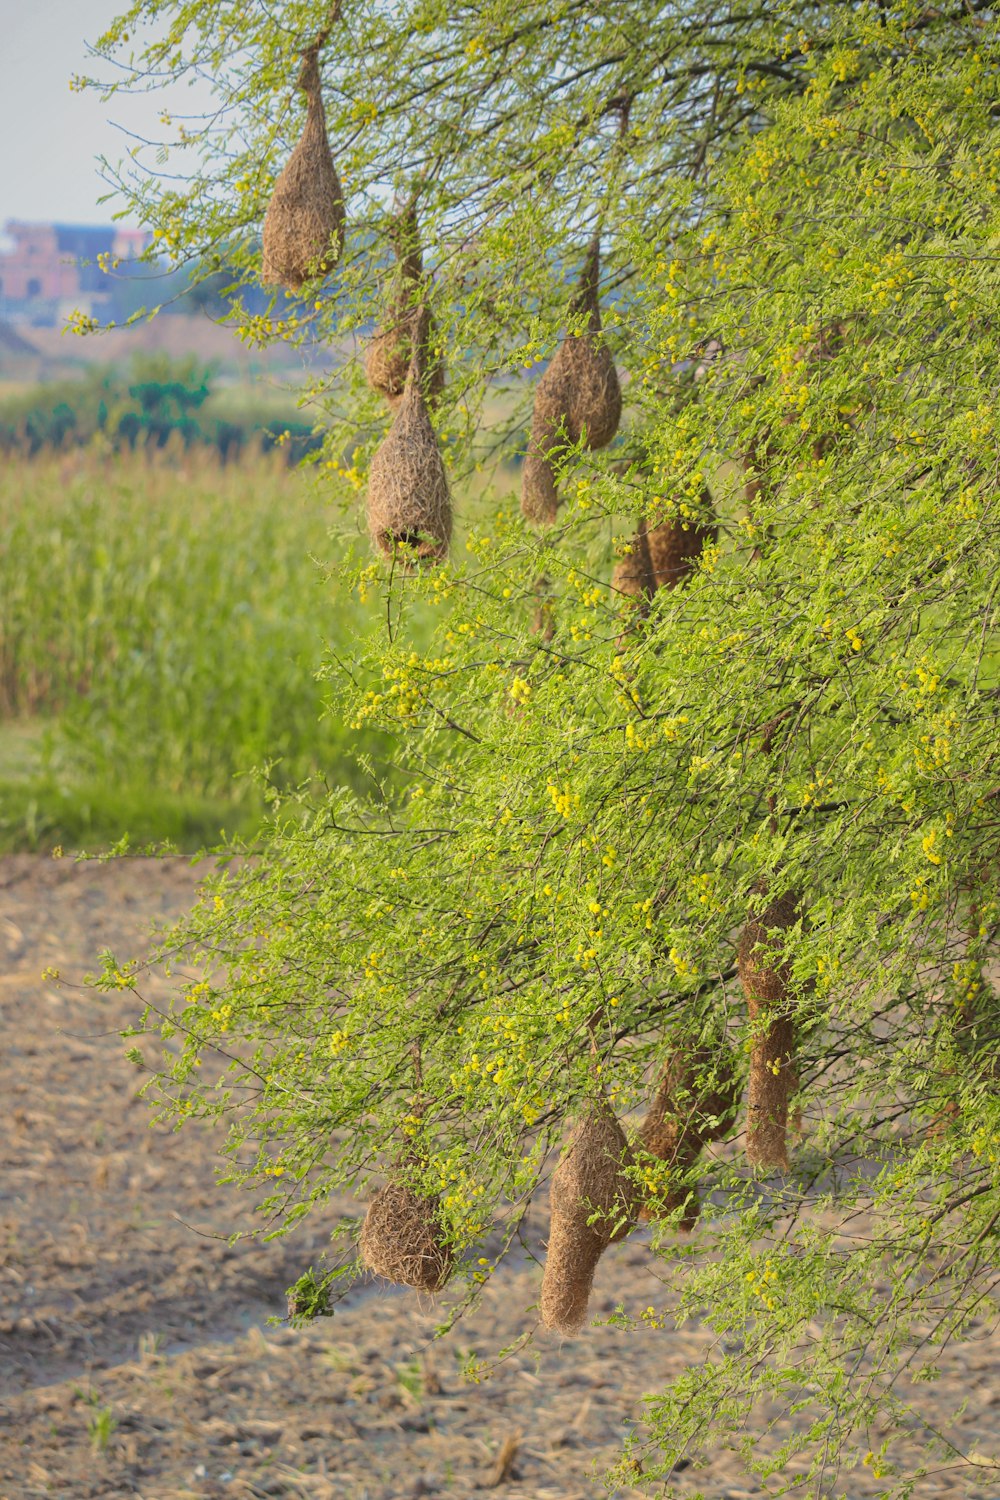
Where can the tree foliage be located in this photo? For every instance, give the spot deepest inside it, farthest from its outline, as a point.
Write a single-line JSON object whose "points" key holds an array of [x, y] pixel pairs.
{"points": [[800, 219]]}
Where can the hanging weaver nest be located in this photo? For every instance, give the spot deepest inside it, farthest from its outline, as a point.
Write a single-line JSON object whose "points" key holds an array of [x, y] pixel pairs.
{"points": [[675, 547], [578, 397], [409, 503], [633, 575], [766, 980], [662, 555], [304, 224], [387, 360], [543, 618], [402, 1239], [591, 1178], [683, 1117]]}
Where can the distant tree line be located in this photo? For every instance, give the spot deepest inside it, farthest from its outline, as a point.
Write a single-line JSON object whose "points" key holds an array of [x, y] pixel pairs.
{"points": [[153, 402]]}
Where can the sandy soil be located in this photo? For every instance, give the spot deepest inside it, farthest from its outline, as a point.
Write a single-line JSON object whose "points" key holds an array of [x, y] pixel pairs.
{"points": [[136, 1358]]}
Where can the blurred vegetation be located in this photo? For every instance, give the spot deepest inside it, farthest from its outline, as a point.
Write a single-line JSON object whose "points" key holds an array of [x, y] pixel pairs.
{"points": [[154, 403], [161, 627]]}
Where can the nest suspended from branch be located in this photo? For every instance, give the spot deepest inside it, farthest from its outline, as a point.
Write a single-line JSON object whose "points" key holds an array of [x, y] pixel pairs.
{"points": [[409, 502], [591, 1178], [578, 397], [388, 357], [633, 575], [766, 980], [304, 224], [664, 553], [675, 546], [402, 1239], [683, 1117]]}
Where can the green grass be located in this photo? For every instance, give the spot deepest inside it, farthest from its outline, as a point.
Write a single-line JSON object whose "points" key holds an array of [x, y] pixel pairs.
{"points": [[160, 630]]}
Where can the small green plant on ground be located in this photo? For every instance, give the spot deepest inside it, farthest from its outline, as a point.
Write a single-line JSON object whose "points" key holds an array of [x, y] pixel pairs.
{"points": [[101, 1425], [410, 1378]]}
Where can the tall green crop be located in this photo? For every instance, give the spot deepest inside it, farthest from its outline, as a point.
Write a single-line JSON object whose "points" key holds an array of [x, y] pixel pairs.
{"points": [[172, 621]]}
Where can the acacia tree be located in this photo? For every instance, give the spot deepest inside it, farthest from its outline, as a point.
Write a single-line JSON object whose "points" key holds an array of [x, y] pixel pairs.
{"points": [[623, 843]]}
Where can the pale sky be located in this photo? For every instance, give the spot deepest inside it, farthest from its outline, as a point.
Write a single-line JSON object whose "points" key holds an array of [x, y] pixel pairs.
{"points": [[49, 137]]}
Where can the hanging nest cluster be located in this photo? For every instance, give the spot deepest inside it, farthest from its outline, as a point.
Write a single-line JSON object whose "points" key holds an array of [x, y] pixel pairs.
{"points": [[409, 502], [591, 1181], [390, 352], [766, 980], [578, 397], [684, 1117], [403, 1241], [304, 224]]}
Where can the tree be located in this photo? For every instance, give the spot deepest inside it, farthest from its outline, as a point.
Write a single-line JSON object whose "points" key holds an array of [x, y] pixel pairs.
{"points": [[724, 838]]}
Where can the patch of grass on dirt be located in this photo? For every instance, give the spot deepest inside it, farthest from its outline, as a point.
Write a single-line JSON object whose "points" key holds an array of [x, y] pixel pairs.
{"points": [[42, 809]]}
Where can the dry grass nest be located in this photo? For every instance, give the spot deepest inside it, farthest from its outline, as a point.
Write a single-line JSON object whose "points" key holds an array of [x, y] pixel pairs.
{"points": [[304, 224], [402, 1239], [388, 357], [684, 1116], [662, 555], [591, 1179], [766, 979], [578, 397], [409, 502]]}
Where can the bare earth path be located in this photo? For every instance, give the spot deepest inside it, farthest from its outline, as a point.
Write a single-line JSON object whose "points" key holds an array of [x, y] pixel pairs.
{"points": [[135, 1354]]}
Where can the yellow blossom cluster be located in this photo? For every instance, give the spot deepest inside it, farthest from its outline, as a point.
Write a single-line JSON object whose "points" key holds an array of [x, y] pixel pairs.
{"points": [[404, 689], [761, 1283], [564, 799]]}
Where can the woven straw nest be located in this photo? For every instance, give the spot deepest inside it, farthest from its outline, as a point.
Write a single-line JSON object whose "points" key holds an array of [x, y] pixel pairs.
{"points": [[304, 224], [766, 980], [578, 397], [387, 361], [684, 1116], [661, 556], [591, 1179], [633, 575], [543, 617], [409, 502], [402, 1239]]}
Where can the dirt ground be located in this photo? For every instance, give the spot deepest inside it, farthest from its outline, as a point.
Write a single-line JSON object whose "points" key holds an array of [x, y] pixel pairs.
{"points": [[136, 1358]]}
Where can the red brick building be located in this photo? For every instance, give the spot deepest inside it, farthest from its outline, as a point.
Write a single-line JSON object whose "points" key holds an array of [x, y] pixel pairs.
{"points": [[53, 269]]}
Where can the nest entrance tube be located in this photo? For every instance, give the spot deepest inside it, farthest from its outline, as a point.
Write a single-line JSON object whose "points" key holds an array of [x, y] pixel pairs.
{"points": [[304, 225], [409, 502], [766, 981], [578, 398], [591, 1178]]}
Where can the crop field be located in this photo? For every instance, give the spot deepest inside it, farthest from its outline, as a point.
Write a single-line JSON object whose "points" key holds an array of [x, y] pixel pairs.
{"points": [[160, 633]]}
